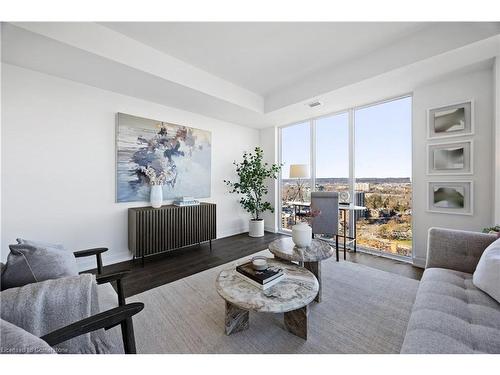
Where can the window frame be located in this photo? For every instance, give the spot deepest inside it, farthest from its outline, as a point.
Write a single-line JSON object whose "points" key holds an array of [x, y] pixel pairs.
{"points": [[352, 153]]}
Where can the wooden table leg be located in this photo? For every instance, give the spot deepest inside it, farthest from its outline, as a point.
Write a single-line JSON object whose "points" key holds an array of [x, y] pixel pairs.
{"points": [[315, 268], [236, 319], [296, 322]]}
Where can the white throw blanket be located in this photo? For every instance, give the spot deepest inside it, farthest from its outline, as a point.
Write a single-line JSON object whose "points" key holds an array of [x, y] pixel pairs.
{"points": [[44, 307]]}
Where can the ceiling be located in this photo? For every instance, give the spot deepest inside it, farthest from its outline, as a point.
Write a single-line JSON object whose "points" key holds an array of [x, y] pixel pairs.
{"points": [[251, 74], [263, 57]]}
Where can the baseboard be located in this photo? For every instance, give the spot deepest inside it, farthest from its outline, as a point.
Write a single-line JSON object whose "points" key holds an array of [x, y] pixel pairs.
{"points": [[231, 232]]}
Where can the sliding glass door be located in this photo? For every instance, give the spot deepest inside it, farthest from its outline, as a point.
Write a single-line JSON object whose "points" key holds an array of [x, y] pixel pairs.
{"points": [[364, 151]]}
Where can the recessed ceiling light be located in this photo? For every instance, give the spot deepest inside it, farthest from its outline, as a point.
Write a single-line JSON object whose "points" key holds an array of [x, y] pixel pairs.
{"points": [[316, 103]]}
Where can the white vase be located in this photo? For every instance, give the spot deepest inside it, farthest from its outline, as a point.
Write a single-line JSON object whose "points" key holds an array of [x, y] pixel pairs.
{"points": [[302, 235], [156, 196], [256, 228]]}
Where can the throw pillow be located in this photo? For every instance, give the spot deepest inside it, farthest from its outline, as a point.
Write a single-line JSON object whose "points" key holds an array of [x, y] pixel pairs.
{"points": [[15, 340], [36, 262], [23, 241], [487, 274]]}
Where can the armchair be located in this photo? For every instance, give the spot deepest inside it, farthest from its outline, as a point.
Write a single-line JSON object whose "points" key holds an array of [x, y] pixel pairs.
{"points": [[89, 252], [107, 319], [55, 294], [126, 323]]}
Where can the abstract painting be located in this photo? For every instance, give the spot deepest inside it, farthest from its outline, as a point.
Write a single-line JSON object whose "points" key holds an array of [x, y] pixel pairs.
{"points": [[450, 158], [451, 197], [181, 152], [451, 120]]}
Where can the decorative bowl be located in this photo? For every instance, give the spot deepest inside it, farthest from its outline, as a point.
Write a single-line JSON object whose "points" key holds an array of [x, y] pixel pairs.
{"points": [[259, 263]]}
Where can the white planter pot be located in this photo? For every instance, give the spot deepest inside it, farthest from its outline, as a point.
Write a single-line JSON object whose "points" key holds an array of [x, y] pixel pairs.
{"points": [[156, 196], [256, 228], [302, 235]]}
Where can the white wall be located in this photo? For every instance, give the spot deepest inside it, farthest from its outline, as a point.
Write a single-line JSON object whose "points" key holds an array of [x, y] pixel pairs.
{"points": [[478, 86], [58, 162], [268, 142]]}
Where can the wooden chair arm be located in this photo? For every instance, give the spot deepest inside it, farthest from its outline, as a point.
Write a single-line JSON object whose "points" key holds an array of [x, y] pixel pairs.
{"points": [[107, 278], [89, 252], [118, 276], [106, 320]]}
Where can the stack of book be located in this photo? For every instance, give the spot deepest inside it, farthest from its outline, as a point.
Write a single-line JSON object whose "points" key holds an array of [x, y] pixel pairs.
{"points": [[261, 279], [186, 201]]}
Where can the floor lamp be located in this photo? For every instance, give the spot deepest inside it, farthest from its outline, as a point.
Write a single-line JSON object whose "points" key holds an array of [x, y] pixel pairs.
{"points": [[299, 171]]}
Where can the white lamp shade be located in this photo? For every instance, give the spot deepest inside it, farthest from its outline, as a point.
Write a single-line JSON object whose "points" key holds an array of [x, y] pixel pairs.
{"points": [[299, 171]]}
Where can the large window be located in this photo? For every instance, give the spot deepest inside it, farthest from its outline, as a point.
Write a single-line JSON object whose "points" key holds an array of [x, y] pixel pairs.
{"points": [[383, 171], [365, 151], [332, 153], [295, 150]]}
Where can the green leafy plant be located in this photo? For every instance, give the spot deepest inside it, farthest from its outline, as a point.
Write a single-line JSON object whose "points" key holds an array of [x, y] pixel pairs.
{"points": [[253, 173], [496, 229]]}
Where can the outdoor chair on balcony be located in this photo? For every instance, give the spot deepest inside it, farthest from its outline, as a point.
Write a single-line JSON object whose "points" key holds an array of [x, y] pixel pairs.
{"points": [[326, 223]]}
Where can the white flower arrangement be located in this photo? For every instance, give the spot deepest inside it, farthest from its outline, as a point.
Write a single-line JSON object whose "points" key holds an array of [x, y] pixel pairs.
{"points": [[154, 178]]}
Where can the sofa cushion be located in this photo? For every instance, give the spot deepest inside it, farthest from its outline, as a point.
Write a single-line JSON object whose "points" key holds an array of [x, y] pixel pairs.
{"points": [[30, 263], [487, 274], [15, 340], [451, 315]]}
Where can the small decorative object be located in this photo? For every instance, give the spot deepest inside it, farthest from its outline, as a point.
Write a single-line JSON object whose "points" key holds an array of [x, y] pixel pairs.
{"points": [[451, 120], [492, 230], [299, 171], [302, 234], [156, 196], [344, 197], [259, 263], [181, 152], [450, 197], [156, 181], [186, 201], [262, 279], [449, 158], [253, 173]]}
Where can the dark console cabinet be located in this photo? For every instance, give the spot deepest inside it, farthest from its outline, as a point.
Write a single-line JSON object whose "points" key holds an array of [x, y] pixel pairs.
{"points": [[155, 230]]}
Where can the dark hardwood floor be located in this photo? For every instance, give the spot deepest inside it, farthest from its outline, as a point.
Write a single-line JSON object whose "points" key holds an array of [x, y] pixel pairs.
{"points": [[170, 266], [167, 267]]}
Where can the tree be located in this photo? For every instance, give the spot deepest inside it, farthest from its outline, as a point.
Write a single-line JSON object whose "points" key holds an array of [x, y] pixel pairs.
{"points": [[253, 173]]}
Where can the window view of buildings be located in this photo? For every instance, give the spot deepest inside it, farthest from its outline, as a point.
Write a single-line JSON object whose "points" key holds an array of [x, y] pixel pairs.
{"points": [[382, 183]]}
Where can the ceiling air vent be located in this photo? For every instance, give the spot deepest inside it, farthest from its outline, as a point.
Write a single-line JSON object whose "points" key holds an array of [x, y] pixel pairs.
{"points": [[316, 103]]}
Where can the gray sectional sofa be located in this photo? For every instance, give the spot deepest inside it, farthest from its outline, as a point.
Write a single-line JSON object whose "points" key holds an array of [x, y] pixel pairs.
{"points": [[450, 314]]}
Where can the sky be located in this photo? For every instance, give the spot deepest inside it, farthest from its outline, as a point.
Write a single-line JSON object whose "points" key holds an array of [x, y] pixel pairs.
{"points": [[382, 142]]}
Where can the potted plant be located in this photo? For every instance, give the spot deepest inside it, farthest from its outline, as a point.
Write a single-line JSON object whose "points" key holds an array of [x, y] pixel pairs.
{"points": [[253, 173]]}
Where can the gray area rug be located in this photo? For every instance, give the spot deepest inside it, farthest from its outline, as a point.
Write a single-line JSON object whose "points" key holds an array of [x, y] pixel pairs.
{"points": [[364, 310]]}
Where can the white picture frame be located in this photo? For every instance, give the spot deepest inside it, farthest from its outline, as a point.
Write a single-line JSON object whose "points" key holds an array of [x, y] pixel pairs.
{"points": [[451, 120], [455, 197], [450, 158]]}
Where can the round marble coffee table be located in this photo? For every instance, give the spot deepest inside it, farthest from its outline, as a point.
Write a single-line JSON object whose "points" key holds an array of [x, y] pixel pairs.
{"points": [[310, 257], [291, 296]]}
